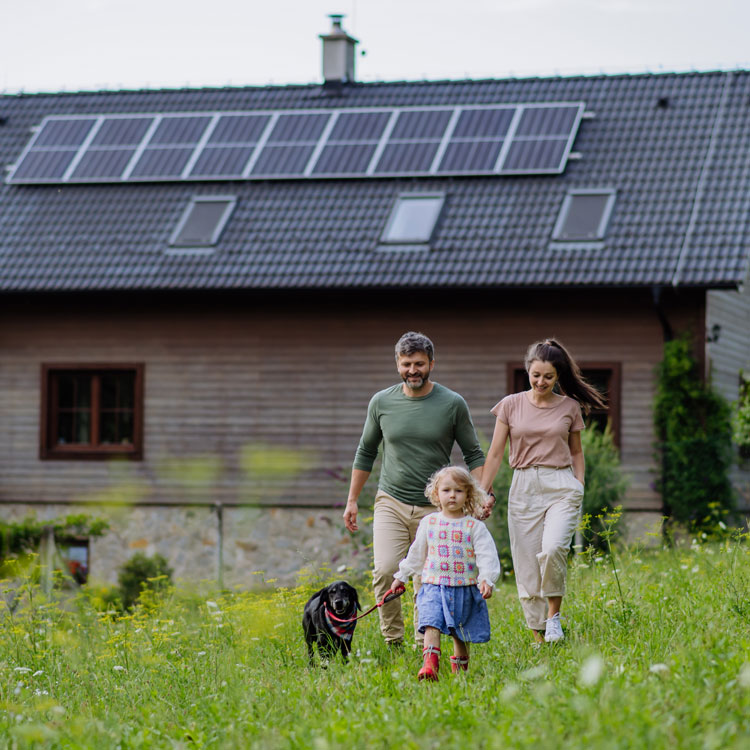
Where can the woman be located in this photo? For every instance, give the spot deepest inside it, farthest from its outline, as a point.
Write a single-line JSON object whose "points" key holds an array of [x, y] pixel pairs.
{"points": [[544, 502]]}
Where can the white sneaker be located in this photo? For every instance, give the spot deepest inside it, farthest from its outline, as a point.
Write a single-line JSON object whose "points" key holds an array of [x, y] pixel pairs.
{"points": [[553, 631]]}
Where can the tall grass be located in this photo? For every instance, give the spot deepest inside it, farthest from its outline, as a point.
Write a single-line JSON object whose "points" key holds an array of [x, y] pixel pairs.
{"points": [[663, 663]]}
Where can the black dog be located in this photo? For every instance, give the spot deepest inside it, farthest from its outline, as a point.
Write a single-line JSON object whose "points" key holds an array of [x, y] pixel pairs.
{"points": [[340, 600]]}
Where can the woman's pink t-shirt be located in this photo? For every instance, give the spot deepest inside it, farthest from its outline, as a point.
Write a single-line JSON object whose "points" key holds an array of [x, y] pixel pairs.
{"points": [[539, 436]]}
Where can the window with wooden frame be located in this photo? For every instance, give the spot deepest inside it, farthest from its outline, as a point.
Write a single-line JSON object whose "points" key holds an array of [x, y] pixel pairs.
{"points": [[92, 411], [604, 376]]}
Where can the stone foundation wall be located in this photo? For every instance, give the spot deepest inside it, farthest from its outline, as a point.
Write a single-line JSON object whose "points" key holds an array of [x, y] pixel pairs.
{"points": [[258, 545]]}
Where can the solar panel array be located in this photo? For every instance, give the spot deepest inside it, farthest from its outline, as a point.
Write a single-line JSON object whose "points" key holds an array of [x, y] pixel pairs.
{"points": [[499, 139]]}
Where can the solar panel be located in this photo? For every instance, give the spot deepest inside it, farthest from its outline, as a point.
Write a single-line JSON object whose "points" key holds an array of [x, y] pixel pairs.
{"points": [[178, 130], [535, 156], [404, 158], [359, 126], [344, 159], [104, 163], [421, 124], [70, 132], [162, 163], [122, 131], [298, 127], [282, 160], [483, 123], [239, 129], [228, 161], [488, 139], [43, 166]]}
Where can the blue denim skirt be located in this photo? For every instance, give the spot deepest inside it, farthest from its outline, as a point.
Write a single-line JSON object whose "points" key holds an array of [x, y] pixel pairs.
{"points": [[454, 610]]}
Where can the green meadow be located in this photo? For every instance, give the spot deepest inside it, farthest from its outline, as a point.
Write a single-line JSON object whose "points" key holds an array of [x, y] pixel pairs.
{"points": [[657, 655]]}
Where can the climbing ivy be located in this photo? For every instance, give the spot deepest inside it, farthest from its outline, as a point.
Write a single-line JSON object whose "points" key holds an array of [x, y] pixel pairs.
{"points": [[741, 417], [694, 449]]}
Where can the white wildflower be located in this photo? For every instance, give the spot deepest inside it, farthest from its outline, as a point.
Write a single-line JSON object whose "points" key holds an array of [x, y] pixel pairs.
{"points": [[534, 673], [341, 568], [659, 669], [611, 602], [38, 672], [212, 605], [722, 526], [119, 668], [695, 569], [509, 691], [591, 671], [201, 653], [40, 692], [684, 567], [22, 670]]}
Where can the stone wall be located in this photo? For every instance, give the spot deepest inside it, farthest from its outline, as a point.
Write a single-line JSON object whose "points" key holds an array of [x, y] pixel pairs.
{"points": [[259, 545]]}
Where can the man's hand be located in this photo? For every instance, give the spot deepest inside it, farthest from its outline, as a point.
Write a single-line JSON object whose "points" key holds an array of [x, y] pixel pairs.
{"points": [[350, 515], [485, 590], [397, 585]]}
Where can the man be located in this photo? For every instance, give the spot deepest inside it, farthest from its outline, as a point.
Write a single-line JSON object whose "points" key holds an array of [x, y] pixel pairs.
{"points": [[418, 421]]}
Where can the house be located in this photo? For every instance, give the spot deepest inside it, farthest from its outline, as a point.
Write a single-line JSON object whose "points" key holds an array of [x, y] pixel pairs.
{"points": [[201, 288]]}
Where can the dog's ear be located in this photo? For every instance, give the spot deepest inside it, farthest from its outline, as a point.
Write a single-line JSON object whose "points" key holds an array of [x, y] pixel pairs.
{"points": [[355, 596], [324, 596]]}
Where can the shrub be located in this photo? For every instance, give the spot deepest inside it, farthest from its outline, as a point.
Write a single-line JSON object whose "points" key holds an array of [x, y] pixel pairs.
{"points": [[140, 573], [741, 417], [695, 449], [605, 483]]}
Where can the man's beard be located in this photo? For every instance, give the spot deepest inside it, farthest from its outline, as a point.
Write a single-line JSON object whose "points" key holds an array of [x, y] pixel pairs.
{"points": [[415, 386]]}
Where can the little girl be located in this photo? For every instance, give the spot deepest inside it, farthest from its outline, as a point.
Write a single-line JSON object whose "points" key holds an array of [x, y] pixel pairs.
{"points": [[456, 557]]}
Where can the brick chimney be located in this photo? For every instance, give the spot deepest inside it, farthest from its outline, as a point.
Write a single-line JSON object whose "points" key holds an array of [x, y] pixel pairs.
{"points": [[338, 54]]}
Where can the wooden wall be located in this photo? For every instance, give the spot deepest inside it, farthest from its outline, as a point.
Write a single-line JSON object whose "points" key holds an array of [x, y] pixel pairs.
{"points": [[251, 399]]}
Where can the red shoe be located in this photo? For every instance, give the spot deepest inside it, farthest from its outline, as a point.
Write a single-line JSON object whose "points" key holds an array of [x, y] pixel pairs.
{"points": [[431, 665], [459, 663]]}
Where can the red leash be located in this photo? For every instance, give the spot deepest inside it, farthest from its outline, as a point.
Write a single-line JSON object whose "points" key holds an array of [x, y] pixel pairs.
{"points": [[390, 595]]}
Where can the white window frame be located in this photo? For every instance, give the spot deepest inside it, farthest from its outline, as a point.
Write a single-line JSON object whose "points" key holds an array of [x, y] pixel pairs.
{"points": [[230, 200], [570, 196]]}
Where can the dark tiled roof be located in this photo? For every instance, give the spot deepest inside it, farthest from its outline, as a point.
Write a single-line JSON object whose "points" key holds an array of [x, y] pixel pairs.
{"points": [[675, 147]]}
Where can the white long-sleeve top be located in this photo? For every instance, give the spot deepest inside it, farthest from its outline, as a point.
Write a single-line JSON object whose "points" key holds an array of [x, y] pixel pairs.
{"points": [[451, 552]]}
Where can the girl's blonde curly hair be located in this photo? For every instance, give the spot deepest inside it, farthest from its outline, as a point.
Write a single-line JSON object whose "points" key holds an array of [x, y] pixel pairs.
{"points": [[475, 496]]}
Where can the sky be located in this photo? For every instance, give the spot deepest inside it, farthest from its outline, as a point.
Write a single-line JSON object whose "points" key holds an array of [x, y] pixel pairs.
{"points": [[84, 45]]}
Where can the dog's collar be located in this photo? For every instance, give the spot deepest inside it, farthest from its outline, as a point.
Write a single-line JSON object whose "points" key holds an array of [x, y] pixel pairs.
{"points": [[343, 630]]}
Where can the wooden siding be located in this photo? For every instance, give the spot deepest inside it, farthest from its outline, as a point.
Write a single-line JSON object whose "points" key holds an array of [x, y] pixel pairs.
{"points": [[264, 403], [728, 352]]}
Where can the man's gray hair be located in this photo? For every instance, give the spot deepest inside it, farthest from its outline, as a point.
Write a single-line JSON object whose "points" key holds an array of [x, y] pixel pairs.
{"points": [[413, 342]]}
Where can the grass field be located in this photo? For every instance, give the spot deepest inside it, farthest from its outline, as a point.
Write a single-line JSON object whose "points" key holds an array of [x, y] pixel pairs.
{"points": [[660, 661]]}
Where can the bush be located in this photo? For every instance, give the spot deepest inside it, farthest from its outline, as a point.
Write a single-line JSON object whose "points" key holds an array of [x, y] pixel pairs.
{"points": [[605, 483], [695, 448], [741, 417], [141, 573]]}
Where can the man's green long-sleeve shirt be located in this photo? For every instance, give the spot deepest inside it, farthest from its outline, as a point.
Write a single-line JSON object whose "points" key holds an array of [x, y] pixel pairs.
{"points": [[418, 434]]}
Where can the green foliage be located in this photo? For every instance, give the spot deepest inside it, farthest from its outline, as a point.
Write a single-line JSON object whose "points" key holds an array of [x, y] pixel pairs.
{"points": [[23, 537], [605, 485], [142, 573], [741, 417], [694, 449]]}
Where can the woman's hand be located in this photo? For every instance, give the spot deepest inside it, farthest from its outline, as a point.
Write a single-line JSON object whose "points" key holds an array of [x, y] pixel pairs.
{"points": [[485, 589]]}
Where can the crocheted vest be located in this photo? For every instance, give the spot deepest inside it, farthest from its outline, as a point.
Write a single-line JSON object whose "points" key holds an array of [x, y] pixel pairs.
{"points": [[450, 551]]}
